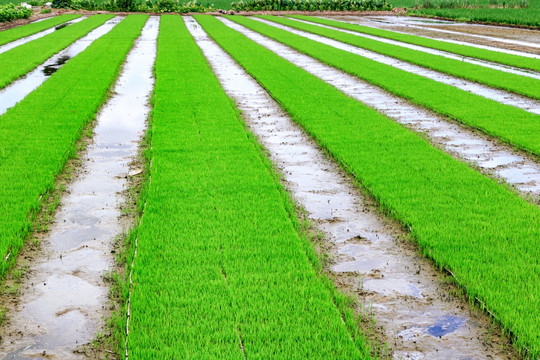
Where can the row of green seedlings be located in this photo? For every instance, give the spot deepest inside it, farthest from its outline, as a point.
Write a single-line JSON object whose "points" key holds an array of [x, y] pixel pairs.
{"points": [[472, 4], [311, 5], [47, 125], [221, 271], [24, 58], [465, 70], [464, 50], [484, 233], [19, 32], [511, 124], [10, 12]]}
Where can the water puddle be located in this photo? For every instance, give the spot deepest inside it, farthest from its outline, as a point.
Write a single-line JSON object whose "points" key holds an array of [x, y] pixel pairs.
{"points": [[523, 172], [63, 300], [491, 65], [501, 96], [35, 36], [399, 287], [19, 89], [461, 38]]}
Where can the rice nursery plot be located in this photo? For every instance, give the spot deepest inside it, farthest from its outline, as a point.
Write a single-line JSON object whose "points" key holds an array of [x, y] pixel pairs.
{"points": [[234, 247]]}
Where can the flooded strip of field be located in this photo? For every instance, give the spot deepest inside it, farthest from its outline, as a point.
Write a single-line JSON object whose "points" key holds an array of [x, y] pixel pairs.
{"points": [[448, 55], [14, 44], [504, 97], [461, 37], [63, 300], [491, 156], [19, 89], [419, 319]]}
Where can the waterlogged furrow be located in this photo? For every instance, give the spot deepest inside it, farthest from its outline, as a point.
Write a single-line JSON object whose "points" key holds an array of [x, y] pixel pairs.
{"points": [[220, 270], [508, 123], [461, 219], [496, 55], [419, 24], [492, 156], [19, 89], [530, 87], [426, 50], [26, 57], [364, 247], [22, 34], [77, 249], [46, 126]]}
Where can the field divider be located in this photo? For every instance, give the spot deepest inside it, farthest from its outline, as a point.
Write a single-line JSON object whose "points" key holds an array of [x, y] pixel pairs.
{"points": [[461, 219], [351, 228], [22, 34], [19, 89], [469, 50], [509, 89], [490, 156], [509, 124], [22, 59]]}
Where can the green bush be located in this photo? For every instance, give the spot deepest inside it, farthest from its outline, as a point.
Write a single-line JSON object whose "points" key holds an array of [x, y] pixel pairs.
{"points": [[311, 5], [10, 12]]}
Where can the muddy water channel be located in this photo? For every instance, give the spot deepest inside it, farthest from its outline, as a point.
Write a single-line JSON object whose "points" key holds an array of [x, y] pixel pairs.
{"points": [[16, 91], [489, 155], [38, 35], [492, 65], [497, 38], [63, 298], [418, 318], [501, 96]]}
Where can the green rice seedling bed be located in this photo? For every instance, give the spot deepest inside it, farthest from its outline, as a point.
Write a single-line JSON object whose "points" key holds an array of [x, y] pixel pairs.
{"points": [[485, 234], [19, 32], [515, 126], [20, 60], [464, 50], [38, 135], [221, 271], [495, 78]]}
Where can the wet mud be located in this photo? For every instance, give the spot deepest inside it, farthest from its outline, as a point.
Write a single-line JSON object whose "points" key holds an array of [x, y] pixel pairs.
{"points": [[18, 42], [489, 155], [501, 38], [501, 96], [19, 89], [63, 299], [412, 307], [491, 65]]}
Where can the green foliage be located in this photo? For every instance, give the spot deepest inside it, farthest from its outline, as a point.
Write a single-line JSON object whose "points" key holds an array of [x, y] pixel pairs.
{"points": [[155, 6], [29, 29], [45, 11], [311, 5], [468, 4], [511, 124], [470, 51], [461, 219], [220, 270], [47, 125], [23, 58], [61, 4], [10, 12]]}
